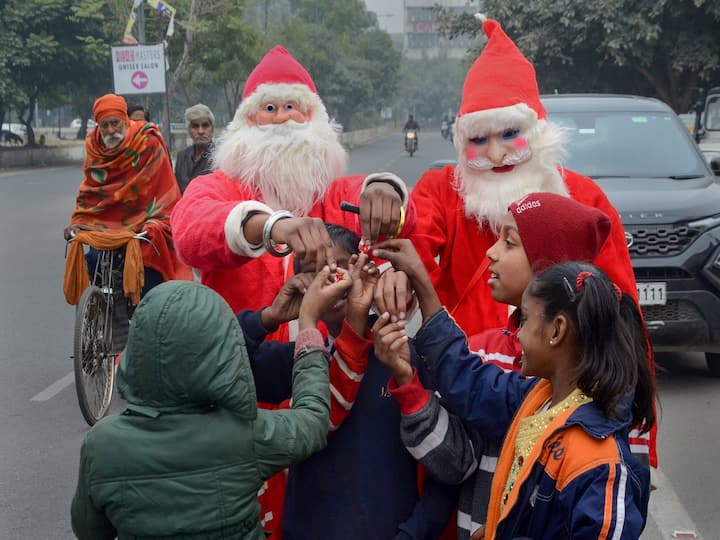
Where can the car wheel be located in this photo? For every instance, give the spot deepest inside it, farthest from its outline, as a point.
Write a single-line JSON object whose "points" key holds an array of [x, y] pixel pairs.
{"points": [[713, 363]]}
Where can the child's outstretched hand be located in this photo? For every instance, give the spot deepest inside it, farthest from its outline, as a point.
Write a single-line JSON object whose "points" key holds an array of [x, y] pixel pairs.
{"points": [[286, 306], [393, 294], [401, 253], [326, 289], [364, 275], [392, 348]]}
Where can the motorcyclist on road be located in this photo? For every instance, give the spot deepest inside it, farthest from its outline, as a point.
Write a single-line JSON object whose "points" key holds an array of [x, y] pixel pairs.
{"points": [[412, 125]]}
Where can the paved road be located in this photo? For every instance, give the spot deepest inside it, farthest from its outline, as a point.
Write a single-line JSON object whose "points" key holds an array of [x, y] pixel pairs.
{"points": [[42, 427]]}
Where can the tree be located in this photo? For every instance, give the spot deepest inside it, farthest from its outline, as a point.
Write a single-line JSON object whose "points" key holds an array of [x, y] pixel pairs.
{"points": [[226, 48], [31, 54], [353, 63], [657, 47]]}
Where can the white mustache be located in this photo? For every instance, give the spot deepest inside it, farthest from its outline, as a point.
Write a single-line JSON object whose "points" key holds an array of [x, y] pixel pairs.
{"points": [[286, 127], [484, 164], [111, 141]]}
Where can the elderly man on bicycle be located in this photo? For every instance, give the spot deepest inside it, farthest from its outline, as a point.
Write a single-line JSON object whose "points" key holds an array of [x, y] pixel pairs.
{"points": [[128, 187]]}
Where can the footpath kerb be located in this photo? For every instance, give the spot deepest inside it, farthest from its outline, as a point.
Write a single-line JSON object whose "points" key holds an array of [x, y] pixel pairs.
{"points": [[46, 156]]}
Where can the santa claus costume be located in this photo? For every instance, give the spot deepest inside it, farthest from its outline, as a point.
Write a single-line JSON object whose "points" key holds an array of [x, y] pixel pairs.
{"points": [[263, 169], [460, 208]]}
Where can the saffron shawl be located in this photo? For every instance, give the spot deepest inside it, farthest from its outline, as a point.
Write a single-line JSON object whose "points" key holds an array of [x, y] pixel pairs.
{"points": [[132, 187]]}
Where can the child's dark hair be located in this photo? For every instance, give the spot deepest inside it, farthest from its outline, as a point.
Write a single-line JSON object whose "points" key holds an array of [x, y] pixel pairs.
{"points": [[609, 332], [342, 237]]}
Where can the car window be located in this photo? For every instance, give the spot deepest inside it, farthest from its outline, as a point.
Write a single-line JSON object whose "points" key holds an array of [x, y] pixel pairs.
{"points": [[713, 114], [626, 144]]}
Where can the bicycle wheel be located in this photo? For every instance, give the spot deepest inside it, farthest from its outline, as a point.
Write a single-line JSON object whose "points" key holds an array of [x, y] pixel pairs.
{"points": [[94, 363]]}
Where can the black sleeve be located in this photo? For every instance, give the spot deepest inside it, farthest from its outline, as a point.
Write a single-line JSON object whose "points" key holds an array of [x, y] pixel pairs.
{"points": [[271, 361]]}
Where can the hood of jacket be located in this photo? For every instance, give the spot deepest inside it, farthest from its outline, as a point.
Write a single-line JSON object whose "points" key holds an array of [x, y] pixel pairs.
{"points": [[186, 354]]}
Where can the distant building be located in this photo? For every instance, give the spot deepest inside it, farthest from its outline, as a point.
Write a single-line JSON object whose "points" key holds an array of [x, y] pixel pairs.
{"points": [[421, 37]]}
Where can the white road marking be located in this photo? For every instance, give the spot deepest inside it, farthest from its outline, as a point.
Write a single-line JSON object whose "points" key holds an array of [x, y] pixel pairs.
{"points": [[667, 511], [55, 388]]}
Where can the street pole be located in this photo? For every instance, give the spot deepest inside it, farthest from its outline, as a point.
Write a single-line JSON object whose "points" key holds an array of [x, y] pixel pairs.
{"points": [[141, 23], [166, 107]]}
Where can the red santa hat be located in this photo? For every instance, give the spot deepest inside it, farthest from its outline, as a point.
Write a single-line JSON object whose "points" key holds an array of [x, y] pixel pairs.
{"points": [[278, 66], [278, 76], [556, 229], [500, 89]]}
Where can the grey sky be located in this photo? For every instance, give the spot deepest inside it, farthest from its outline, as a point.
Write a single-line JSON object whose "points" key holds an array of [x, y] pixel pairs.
{"points": [[389, 12]]}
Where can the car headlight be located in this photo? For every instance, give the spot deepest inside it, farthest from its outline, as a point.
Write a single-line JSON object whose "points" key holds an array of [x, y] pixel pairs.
{"points": [[705, 223]]}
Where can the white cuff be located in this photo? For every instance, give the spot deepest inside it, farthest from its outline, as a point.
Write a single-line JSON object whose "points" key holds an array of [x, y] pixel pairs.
{"points": [[234, 234], [388, 178]]}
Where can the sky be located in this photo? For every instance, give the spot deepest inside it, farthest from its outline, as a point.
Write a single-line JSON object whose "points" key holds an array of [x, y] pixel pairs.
{"points": [[389, 12]]}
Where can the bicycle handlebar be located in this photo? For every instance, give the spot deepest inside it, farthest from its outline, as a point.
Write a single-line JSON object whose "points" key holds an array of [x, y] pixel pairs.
{"points": [[142, 235]]}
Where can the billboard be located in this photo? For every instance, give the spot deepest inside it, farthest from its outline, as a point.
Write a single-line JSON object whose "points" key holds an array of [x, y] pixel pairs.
{"points": [[139, 69]]}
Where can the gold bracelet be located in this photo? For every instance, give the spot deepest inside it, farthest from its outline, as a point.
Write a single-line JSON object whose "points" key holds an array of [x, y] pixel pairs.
{"points": [[401, 223]]}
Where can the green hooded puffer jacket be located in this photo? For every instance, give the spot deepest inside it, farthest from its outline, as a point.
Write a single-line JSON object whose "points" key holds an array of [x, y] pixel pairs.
{"points": [[187, 457]]}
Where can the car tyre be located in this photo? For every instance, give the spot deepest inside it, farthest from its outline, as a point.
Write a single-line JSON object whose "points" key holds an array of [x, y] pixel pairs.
{"points": [[712, 360]]}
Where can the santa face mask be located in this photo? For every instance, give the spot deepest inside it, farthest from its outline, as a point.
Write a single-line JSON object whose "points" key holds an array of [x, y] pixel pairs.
{"points": [[495, 170], [498, 152]]}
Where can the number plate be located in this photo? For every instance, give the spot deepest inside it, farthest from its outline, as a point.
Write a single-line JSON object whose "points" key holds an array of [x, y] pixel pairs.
{"points": [[653, 293]]}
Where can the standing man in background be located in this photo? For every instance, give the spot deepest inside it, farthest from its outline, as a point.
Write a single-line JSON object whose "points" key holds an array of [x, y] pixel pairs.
{"points": [[195, 160], [138, 112]]}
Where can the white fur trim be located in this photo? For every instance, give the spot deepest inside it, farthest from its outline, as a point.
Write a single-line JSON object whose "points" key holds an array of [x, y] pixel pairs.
{"points": [[480, 17], [495, 120], [234, 234], [309, 101], [388, 178]]}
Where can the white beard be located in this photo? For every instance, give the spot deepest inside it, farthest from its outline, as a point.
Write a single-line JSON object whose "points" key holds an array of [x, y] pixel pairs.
{"points": [[290, 164], [487, 195], [111, 141]]}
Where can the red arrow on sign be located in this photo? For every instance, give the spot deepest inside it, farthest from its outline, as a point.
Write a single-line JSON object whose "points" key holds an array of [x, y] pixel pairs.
{"points": [[139, 80]]}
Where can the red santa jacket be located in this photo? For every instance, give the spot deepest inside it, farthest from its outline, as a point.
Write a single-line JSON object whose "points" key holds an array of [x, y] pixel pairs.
{"points": [[198, 225]]}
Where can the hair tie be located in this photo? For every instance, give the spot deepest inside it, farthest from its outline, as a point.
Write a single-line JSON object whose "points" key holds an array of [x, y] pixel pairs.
{"points": [[617, 290], [580, 280]]}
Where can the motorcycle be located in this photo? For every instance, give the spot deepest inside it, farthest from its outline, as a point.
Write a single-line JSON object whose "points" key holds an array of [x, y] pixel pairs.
{"points": [[411, 141], [444, 129]]}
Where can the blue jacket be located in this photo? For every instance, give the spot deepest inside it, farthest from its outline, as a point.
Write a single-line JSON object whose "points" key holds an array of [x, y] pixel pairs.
{"points": [[364, 485], [580, 480]]}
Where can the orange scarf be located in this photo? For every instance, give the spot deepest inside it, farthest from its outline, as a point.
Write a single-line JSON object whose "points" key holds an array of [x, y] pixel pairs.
{"points": [[131, 188], [76, 276]]}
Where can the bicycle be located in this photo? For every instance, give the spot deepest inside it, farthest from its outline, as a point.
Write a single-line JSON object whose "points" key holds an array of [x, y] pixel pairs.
{"points": [[95, 344]]}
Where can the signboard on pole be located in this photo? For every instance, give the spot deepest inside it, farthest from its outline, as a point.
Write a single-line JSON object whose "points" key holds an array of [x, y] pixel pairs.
{"points": [[139, 69]]}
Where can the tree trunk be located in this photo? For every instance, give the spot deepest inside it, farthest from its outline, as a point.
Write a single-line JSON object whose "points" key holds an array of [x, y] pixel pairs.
{"points": [[28, 123], [660, 88]]}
